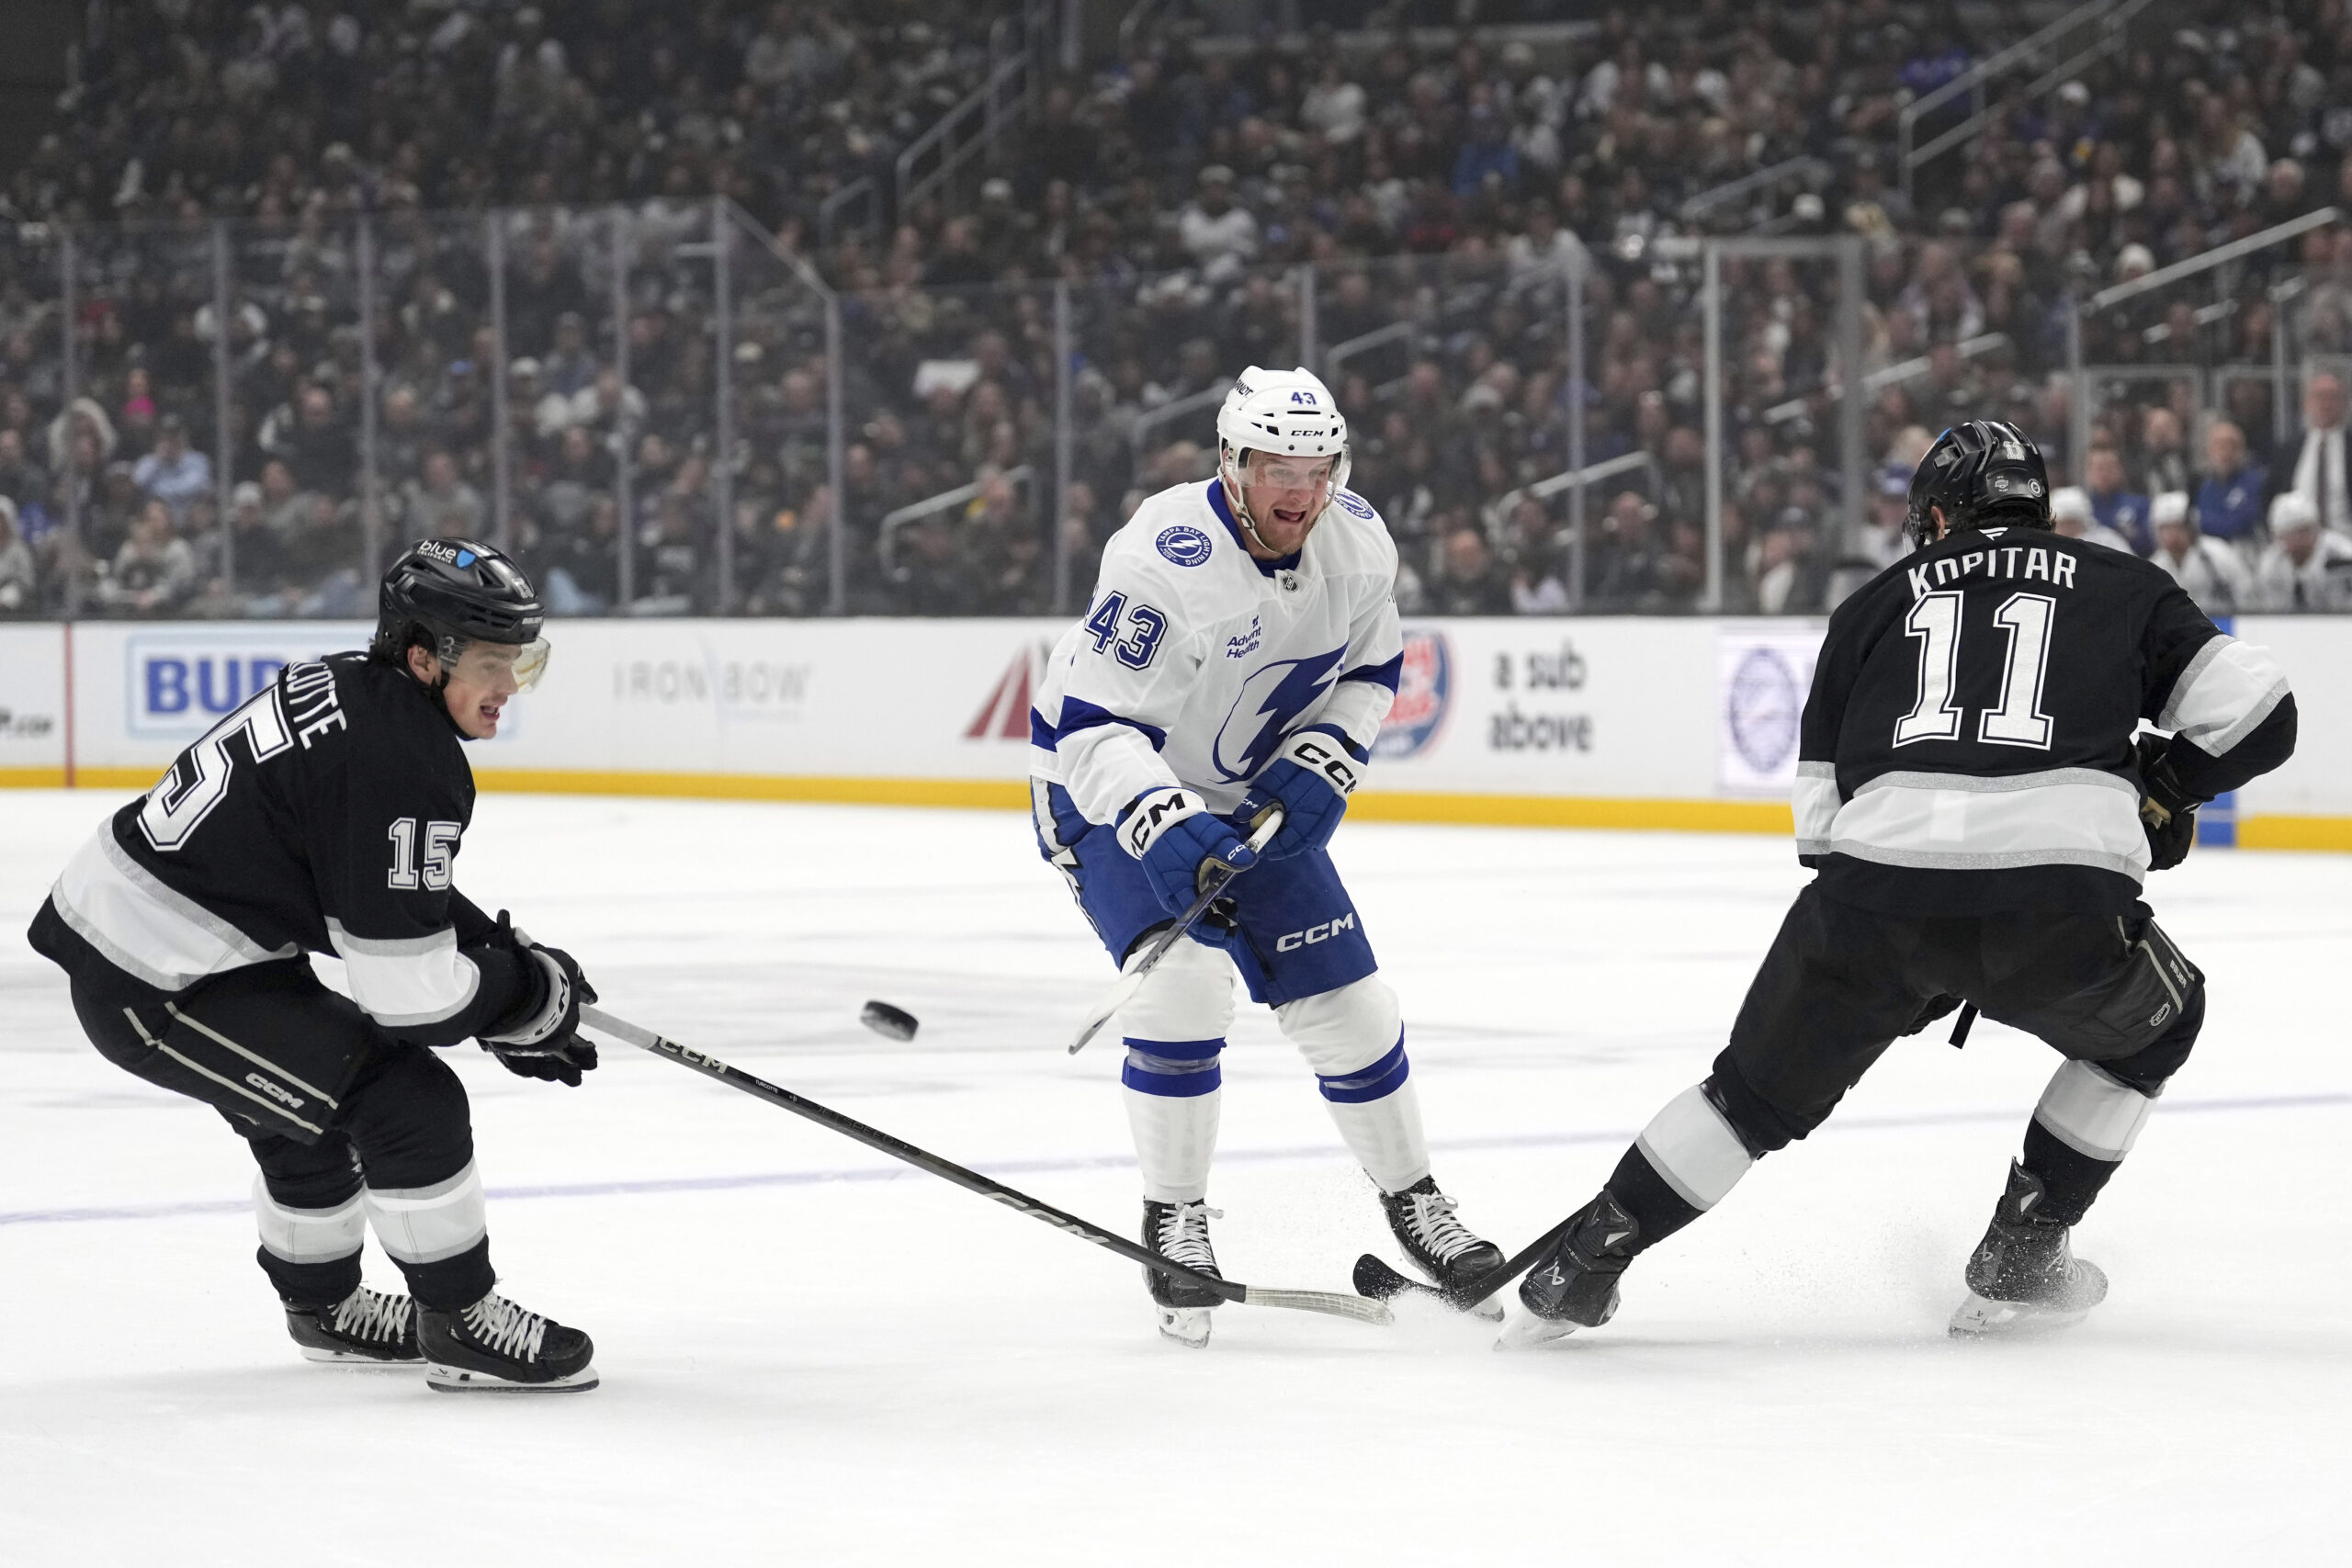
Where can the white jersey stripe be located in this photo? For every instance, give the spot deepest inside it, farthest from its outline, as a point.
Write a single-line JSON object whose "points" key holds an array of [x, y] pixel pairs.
{"points": [[142, 927], [1957, 822], [2228, 689]]}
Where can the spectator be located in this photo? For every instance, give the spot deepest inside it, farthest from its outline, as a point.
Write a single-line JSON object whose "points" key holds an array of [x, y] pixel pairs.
{"points": [[2071, 515], [2307, 566], [172, 473], [2311, 464], [2120, 511], [2164, 455], [1469, 581], [19, 586], [22, 480], [2206, 570], [439, 504], [2230, 501], [1220, 237], [153, 571]]}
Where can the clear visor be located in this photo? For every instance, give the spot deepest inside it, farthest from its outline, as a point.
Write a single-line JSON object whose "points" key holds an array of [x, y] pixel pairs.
{"points": [[1261, 472], [503, 666]]}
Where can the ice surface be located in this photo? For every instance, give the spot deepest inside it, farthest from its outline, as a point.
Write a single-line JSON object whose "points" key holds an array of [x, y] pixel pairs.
{"points": [[813, 1357]]}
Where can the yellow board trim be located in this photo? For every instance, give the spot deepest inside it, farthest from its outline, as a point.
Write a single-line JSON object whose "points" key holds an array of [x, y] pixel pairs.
{"points": [[2263, 832], [2295, 833]]}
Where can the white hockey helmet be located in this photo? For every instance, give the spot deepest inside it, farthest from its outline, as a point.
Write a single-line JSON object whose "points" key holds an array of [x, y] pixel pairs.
{"points": [[1283, 414]]}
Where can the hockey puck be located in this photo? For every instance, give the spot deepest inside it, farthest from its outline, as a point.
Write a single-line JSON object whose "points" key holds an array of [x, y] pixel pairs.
{"points": [[891, 1023]]}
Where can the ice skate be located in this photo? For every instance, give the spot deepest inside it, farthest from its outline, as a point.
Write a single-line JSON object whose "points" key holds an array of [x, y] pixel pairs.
{"points": [[2023, 1277], [494, 1344], [367, 1327], [1574, 1285], [1180, 1232], [1439, 1246]]}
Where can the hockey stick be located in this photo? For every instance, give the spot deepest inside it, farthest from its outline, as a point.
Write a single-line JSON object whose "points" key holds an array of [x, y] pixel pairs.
{"points": [[1123, 990], [1328, 1303], [1381, 1283]]}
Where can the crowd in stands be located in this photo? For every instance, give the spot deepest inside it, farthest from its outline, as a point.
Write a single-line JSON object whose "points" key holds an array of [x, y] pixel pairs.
{"points": [[1398, 215]]}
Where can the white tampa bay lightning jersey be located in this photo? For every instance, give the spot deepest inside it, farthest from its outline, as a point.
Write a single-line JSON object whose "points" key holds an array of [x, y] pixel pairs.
{"points": [[1195, 660]]}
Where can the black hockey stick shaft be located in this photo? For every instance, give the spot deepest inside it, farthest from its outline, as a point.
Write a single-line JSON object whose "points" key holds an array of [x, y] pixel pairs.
{"points": [[924, 1160], [1378, 1281]]}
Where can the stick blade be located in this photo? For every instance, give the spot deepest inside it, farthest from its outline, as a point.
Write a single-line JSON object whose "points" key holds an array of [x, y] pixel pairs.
{"points": [[1375, 1280], [1329, 1303]]}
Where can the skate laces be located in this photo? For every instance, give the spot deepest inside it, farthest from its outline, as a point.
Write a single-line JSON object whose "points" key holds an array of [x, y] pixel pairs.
{"points": [[1185, 1235], [1431, 1215], [371, 1315], [502, 1326]]}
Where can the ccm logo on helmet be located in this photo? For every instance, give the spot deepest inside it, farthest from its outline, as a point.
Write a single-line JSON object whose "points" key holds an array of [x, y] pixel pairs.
{"points": [[1314, 934]]}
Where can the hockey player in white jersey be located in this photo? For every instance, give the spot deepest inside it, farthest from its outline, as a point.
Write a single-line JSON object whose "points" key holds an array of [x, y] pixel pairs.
{"points": [[1240, 650]]}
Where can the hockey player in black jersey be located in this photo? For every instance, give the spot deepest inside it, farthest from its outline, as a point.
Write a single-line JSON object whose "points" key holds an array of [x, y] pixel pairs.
{"points": [[324, 816], [1980, 818]]}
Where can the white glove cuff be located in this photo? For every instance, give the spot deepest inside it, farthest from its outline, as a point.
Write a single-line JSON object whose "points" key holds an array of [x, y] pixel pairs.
{"points": [[1322, 755], [1153, 814]]}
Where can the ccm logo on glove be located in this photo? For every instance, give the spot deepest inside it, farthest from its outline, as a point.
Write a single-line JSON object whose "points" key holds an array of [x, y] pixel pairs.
{"points": [[1318, 757], [1153, 815]]}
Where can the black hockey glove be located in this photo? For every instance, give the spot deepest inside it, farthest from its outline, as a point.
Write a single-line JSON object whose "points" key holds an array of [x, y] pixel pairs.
{"points": [[542, 1041], [2167, 812]]}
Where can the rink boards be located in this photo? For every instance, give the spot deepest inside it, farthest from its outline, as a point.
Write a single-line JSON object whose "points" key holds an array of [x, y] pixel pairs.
{"points": [[1626, 722]]}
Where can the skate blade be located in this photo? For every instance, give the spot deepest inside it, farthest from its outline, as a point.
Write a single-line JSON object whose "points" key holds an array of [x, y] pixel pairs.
{"points": [[1980, 1317], [356, 1359], [1525, 1330], [456, 1379], [1188, 1326]]}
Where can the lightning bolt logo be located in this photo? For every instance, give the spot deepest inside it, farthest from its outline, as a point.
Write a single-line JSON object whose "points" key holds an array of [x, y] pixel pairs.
{"points": [[1271, 702]]}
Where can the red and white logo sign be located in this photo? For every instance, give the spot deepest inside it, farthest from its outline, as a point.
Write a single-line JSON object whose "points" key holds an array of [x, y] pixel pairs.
{"points": [[1005, 715]]}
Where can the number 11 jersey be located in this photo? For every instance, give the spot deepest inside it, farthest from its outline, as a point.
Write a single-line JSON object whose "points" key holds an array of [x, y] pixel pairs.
{"points": [[323, 816], [1967, 744]]}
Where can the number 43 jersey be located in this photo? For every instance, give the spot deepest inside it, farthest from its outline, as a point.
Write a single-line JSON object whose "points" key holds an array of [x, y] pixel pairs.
{"points": [[1967, 744], [1196, 661], [323, 816]]}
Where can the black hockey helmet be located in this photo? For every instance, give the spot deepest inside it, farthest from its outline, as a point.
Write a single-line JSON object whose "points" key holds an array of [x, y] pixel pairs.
{"points": [[1982, 474], [445, 594]]}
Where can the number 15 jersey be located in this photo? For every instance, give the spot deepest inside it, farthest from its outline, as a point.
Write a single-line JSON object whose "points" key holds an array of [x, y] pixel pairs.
{"points": [[1967, 744], [323, 816]]}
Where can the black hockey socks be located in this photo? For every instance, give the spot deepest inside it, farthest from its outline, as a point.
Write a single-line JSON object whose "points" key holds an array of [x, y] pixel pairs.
{"points": [[1648, 1201], [2069, 1178]]}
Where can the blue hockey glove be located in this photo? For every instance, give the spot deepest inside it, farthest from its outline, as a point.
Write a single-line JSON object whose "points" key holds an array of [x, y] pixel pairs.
{"points": [[1172, 832], [1311, 778]]}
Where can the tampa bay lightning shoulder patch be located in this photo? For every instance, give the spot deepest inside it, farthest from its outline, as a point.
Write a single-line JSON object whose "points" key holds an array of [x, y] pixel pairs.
{"points": [[1353, 503], [1185, 544]]}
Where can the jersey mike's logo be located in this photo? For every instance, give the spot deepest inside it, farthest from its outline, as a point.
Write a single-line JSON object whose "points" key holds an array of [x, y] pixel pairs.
{"points": [[1185, 544], [1272, 700], [1424, 695]]}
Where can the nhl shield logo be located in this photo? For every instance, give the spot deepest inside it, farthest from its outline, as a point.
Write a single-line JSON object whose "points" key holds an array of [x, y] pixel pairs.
{"points": [[1424, 694]]}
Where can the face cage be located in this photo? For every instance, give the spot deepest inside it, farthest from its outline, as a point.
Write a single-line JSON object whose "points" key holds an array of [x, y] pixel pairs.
{"points": [[1228, 469]]}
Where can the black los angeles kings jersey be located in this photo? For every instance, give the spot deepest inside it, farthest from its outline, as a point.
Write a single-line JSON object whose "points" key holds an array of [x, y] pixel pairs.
{"points": [[1966, 747], [323, 816]]}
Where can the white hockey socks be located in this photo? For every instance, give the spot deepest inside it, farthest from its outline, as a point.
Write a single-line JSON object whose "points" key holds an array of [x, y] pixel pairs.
{"points": [[1173, 1093], [1385, 1133]]}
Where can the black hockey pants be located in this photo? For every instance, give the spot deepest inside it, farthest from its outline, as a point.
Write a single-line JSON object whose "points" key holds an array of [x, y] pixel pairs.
{"points": [[1842, 983], [347, 1123]]}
